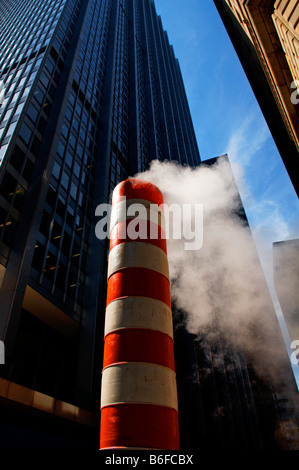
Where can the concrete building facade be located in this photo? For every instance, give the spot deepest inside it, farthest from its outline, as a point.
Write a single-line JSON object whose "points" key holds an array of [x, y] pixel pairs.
{"points": [[265, 35]]}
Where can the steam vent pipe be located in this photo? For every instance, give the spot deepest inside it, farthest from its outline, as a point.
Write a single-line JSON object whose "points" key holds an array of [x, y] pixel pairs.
{"points": [[139, 407]]}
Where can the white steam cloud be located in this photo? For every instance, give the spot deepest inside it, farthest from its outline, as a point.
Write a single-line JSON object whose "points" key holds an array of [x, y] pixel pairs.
{"points": [[221, 286]]}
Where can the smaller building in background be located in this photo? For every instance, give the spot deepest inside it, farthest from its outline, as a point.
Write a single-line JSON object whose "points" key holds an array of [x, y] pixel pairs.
{"points": [[265, 35], [287, 409], [286, 278]]}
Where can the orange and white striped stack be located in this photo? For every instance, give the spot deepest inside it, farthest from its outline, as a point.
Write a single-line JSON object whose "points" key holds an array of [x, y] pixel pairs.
{"points": [[139, 408]]}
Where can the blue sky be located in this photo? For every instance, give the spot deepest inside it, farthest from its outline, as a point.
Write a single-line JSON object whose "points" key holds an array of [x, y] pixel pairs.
{"points": [[227, 119]]}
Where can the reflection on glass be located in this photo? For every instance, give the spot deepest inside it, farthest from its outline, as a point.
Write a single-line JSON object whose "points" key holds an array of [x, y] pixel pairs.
{"points": [[2, 152], [11, 129]]}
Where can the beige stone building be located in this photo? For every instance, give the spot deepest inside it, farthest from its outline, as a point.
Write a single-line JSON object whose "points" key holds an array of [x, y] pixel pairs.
{"points": [[273, 29]]}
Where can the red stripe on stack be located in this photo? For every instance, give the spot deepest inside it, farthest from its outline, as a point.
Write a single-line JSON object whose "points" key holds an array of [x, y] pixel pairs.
{"points": [[153, 427], [119, 234], [138, 282], [138, 345]]}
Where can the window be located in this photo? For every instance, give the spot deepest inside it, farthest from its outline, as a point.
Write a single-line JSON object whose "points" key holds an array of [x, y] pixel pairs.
{"points": [[29, 66], [51, 196], [80, 199], [35, 145], [49, 66], [85, 118], [56, 234], [75, 124], [77, 169], [1, 131], [70, 216], [61, 206], [19, 197], [15, 97], [56, 170], [72, 283], [83, 178], [11, 129], [66, 244], [65, 130], [17, 158], [61, 149], [22, 81], [2, 152], [74, 190], [38, 257], [68, 114], [39, 96], [80, 151], [7, 115], [25, 133], [26, 91], [56, 44], [78, 109], [46, 223], [11, 87], [9, 232], [89, 143], [82, 134], [72, 140], [4, 102], [76, 253], [50, 267], [8, 186], [28, 170], [72, 99], [32, 112], [32, 76], [69, 159], [61, 276], [42, 124], [65, 180], [19, 109]]}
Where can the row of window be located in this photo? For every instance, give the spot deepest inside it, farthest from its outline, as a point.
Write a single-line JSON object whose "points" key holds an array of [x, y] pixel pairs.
{"points": [[91, 64], [19, 78], [28, 36], [120, 106], [62, 221], [13, 105], [66, 218], [13, 187]]}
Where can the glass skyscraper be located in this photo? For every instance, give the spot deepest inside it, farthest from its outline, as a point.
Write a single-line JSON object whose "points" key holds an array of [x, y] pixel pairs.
{"points": [[91, 93]]}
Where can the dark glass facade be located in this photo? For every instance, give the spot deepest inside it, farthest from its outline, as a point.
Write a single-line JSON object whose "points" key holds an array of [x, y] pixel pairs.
{"points": [[93, 93]]}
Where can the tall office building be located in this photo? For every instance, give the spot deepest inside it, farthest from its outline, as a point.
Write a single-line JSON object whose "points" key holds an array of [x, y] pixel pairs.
{"points": [[92, 93], [265, 35]]}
